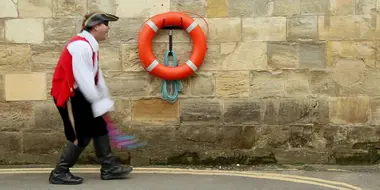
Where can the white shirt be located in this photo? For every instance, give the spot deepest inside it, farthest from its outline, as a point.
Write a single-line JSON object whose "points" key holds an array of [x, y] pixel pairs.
{"points": [[84, 73]]}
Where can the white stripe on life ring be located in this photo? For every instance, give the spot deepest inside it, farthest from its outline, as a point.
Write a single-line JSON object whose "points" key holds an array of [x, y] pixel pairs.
{"points": [[191, 27], [152, 25], [191, 65], [152, 65]]}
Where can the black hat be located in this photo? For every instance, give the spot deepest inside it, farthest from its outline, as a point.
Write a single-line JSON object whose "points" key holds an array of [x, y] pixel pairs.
{"points": [[95, 18]]}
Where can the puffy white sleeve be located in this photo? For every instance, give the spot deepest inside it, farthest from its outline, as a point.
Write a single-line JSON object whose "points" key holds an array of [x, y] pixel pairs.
{"points": [[102, 85], [84, 75]]}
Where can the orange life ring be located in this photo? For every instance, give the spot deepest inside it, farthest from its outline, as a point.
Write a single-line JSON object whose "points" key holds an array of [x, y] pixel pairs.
{"points": [[150, 62]]}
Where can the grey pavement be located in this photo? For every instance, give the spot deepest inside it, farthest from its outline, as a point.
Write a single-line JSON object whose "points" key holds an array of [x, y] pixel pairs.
{"points": [[364, 180], [156, 181], [153, 182]]}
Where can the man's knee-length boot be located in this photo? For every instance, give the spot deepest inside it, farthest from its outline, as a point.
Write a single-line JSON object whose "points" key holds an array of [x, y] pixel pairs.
{"points": [[111, 169], [61, 173]]}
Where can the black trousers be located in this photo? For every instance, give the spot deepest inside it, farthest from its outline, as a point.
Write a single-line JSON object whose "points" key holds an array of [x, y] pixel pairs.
{"points": [[85, 125]]}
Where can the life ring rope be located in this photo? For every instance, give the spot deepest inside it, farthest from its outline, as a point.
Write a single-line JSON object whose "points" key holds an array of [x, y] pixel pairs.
{"points": [[176, 86]]}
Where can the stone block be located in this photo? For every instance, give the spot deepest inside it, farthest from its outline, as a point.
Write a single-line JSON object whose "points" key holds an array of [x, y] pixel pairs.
{"points": [[196, 6], [264, 29], [122, 112], [121, 34], [348, 72], [263, 8], [228, 47], [312, 55], [336, 136], [283, 55], [362, 137], [200, 110], [377, 55], [16, 116], [59, 30], [232, 84], [212, 59], [242, 111], [49, 77], [46, 117], [374, 115], [224, 29], [349, 110], [10, 142], [242, 8], [2, 30], [348, 156], [78, 25], [366, 86], [244, 56], [198, 133], [365, 7], [110, 58], [322, 84], [296, 84], [287, 7], [15, 58], [270, 109], [312, 7], [279, 84], [8, 9], [127, 84], [154, 110], [321, 112], [130, 56], [21, 87], [2, 93], [43, 143], [342, 7], [14, 158], [136, 9], [303, 155], [357, 27], [108, 6], [265, 84], [236, 137], [157, 135], [35, 9], [364, 50], [271, 137], [296, 111], [28, 30], [302, 28], [45, 57], [217, 8], [203, 84], [69, 8]]}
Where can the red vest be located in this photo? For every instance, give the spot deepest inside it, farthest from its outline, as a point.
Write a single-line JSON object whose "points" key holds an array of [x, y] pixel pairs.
{"points": [[63, 78]]}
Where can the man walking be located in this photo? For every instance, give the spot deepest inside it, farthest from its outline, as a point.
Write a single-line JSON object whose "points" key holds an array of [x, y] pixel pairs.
{"points": [[82, 98]]}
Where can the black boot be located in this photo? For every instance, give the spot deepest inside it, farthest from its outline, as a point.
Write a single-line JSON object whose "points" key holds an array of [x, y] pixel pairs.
{"points": [[61, 174], [111, 169]]}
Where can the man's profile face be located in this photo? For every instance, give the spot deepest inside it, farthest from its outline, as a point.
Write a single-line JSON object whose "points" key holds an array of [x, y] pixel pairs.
{"points": [[102, 31]]}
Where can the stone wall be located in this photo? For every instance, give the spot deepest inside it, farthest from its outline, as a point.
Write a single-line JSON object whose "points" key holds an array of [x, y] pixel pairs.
{"points": [[284, 81]]}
